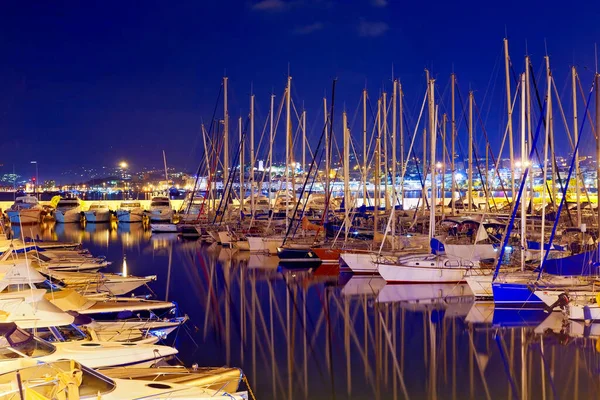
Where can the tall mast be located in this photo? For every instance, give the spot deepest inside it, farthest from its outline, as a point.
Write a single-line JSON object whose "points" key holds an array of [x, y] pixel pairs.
{"points": [[347, 201], [288, 123], [377, 171], [425, 152], [165, 162], [432, 132], [242, 191], [365, 175], [470, 193], [394, 145], [523, 166], [597, 86], [453, 137], [545, 163], [445, 123], [271, 145], [327, 161], [303, 140], [529, 137], [575, 136], [251, 169], [225, 133], [385, 151], [510, 124], [402, 171]]}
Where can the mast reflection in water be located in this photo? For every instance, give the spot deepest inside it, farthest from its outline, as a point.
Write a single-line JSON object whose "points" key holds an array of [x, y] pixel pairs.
{"points": [[319, 335]]}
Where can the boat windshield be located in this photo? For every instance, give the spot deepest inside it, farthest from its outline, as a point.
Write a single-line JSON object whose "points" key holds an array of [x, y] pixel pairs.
{"points": [[98, 207], [44, 377], [160, 203], [67, 204], [130, 205], [67, 333], [28, 346]]}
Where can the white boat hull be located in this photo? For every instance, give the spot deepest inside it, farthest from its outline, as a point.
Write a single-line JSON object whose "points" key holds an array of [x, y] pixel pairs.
{"points": [[163, 228], [264, 245], [160, 215], [360, 263], [431, 273], [97, 216], [25, 216], [68, 217], [129, 216]]}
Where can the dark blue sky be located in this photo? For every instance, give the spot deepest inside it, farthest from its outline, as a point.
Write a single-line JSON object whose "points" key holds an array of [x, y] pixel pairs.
{"points": [[91, 83]]}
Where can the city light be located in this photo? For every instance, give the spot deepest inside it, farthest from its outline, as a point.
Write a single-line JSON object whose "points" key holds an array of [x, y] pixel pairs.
{"points": [[123, 165]]}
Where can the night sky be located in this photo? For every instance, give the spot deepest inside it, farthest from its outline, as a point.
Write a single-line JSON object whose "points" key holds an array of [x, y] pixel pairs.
{"points": [[92, 83]]}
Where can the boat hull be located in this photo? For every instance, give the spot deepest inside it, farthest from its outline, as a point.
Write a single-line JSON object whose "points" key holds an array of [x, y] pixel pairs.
{"points": [[421, 274], [28, 216], [515, 295], [68, 217], [96, 216], [264, 245], [129, 216], [360, 263]]}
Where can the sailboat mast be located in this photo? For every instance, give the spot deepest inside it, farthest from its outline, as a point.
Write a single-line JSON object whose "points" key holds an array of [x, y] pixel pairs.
{"points": [[347, 200], [545, 162], [165, 163], [385, 151], [432, 132], [225, 132], [575, 136], [251, 169], [304, 141], [444, 126], [453, 134], [288, 122], [470, 189], [327, 161], [365, 175], [394, 146], [523, 166], [271, 145], [377, 170], [402, 171], [510, 124], [241, 168], [597, 85], [423, 206]]}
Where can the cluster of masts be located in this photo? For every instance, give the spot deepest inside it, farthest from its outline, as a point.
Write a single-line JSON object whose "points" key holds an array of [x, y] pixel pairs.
{"points": [[390, 147]]}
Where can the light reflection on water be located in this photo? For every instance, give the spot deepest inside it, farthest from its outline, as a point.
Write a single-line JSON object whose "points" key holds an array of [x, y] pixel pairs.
{"points": [[318, 335]]}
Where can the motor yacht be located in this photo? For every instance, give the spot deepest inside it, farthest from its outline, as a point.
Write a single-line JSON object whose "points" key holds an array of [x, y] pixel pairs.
{"points": [[160, 210], [130, 211], [25, 210], [98, 213], [68, 210]]}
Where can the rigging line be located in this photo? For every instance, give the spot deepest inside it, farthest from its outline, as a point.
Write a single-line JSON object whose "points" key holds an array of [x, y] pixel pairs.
{"points": [[490, 152], [228, 190], [210, 128], [474, 149], [518, 198], [551, 142], [312, 164], [564, 194]]}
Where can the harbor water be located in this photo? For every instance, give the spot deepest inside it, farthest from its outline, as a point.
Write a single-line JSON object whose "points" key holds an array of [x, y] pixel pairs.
{"points": [[322, 334]]}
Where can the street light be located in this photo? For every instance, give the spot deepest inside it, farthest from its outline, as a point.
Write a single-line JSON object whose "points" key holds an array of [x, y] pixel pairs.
{"points": [[36, 176], [123, 165]]}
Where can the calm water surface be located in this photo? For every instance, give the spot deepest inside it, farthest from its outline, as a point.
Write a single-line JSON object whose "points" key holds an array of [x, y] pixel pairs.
{"points": [[321, 335]]}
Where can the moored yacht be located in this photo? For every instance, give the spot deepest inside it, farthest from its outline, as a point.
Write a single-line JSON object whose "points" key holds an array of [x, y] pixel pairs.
{"points": [[68, 210], [160, 210], [98, 213], [130, 211], [25, 210]]}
